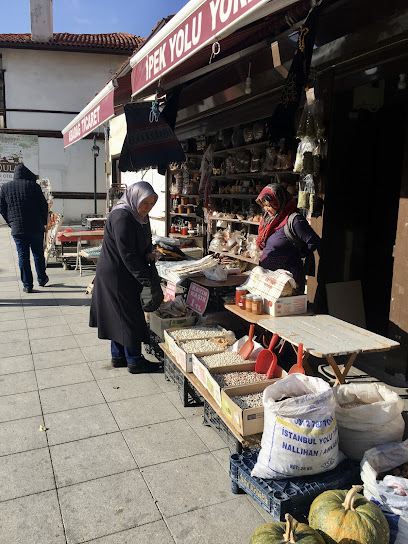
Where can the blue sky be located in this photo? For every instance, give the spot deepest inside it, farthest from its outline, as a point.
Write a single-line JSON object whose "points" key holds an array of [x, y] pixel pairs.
{"points": [[92, 16]]}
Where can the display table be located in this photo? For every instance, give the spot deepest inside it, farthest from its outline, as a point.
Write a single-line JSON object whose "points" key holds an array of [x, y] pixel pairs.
{"points": [[78, 236], [247, 441], [322, 336]]}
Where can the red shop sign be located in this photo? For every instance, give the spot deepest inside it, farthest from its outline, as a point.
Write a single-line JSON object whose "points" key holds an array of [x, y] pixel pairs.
{"points": [[201, 27], [197, 298], [170, 293]]}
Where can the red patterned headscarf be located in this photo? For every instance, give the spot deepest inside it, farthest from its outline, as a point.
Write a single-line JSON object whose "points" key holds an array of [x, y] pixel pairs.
{"points": [[285, 205]]}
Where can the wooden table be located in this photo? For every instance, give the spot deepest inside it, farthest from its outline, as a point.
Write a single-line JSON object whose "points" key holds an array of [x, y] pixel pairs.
{"points": [[78, 236], [245, 441]]}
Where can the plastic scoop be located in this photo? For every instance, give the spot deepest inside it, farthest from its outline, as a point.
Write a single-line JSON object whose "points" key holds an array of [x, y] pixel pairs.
{"points": [[248, 346], [298, 367], [267, 357]]}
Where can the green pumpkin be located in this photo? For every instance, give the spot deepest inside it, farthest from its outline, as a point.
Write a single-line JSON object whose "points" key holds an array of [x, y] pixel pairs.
{"points": [[286, 532], [344, 517]]}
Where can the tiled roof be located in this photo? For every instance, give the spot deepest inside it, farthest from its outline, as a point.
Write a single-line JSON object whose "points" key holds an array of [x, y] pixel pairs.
{"points": [[120, 42]]}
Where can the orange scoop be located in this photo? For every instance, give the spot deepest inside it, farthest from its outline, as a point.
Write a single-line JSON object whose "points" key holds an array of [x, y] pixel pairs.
{"points": [[298, 367], [267, 359], [248, 346]]}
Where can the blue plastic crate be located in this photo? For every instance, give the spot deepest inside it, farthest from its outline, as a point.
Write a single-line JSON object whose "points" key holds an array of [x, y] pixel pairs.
{"points": [[280, 497]]}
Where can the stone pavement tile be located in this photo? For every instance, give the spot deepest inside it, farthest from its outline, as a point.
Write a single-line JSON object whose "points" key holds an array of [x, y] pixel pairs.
{"points": [[19, 406], [68, 397], [141, 411], [223, 457], [130, 385], [78, 318], [37, 300], [53, 344], [10, 287], [40, 312], [81, 309], [82, 328], [163, 442], [25, 473], [89, 339], [63, 375], [11, 349], [19, 363], [15, 325], [34, 519], [187, 484], [49, 332], [106, 505], [231, 522], [22, 435], [165, 385], [64, 357], [185, 411], [151, 533], [10, 384], [79, 423], [104, 369], [45, 322], [264, 515], [13, 336], [91, 458], [10, 313], [97, 353], [210, 438]]}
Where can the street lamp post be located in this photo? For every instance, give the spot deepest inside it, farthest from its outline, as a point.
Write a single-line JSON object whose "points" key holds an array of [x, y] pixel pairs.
{"points": [[95, 152]]}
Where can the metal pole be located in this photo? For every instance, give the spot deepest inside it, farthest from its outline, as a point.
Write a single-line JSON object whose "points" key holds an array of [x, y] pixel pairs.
{"points": [[95, 200]]}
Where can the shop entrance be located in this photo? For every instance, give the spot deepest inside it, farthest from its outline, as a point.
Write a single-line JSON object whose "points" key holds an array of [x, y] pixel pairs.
{"points": [[362, 196]]}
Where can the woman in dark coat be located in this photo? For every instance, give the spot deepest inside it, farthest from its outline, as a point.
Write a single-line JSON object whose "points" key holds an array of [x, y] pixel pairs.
{"points": [[126, 282], [277, 250]]}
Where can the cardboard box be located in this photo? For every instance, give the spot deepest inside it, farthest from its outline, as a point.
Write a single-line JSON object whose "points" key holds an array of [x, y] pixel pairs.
{"points": [[248, 421], [158, 324], [286, 306]]}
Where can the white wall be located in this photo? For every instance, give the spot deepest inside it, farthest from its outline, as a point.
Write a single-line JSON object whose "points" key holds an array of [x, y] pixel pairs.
{"points": [[59, 81]]}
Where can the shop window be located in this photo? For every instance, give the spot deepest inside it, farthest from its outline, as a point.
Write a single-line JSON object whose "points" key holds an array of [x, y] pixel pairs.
{"points": [[2, 97]]}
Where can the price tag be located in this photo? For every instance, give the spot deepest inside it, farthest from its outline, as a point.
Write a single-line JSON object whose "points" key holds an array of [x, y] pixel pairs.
{"points": [[197, 298], [170, 293]]}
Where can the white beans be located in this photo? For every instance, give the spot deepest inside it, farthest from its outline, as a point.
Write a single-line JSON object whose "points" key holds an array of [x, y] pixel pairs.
{"points": [[253, 400], [227, 358], [201, 346], [195, 333], [229, 379]]}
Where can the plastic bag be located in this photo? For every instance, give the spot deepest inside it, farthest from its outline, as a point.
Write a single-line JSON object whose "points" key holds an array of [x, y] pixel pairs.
{"points": [[378, 421], [300, 432], [393, 505], [218, 273]]}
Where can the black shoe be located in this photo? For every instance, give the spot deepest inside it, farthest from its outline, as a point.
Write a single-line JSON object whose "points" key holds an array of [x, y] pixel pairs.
{"points": [[144, 366], [27, 289], [118, 362], [44, 283]]}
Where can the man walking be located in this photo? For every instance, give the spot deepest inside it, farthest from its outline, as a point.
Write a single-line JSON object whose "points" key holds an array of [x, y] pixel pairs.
{"points": [[23, 206]]}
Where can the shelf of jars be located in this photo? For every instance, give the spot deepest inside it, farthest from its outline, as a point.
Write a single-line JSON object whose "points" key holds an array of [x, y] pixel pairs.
{"points": [[255, 175], [237, 195], [229, 220], [186, 215], [226, 152], [178, 235]]}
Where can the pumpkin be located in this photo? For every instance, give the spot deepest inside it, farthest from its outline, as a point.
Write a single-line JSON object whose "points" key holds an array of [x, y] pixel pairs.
{"points": [[346, 517], [285, 532]]}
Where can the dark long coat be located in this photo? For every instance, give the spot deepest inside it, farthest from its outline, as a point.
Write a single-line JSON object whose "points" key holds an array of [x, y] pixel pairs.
{"points": [[125, 283]]}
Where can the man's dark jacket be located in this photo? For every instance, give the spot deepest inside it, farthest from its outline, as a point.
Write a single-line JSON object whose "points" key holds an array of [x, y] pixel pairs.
{"points": [[22, 203]]}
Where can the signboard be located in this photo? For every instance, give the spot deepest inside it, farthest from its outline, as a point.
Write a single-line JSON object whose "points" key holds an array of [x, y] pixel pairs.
{"points": [[17, 149], [197, 298], [101, 112], [170, 293], [202, 26]]}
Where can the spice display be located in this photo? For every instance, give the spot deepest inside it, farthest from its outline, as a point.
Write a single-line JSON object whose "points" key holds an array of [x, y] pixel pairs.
{"points": [[229, 379], [196, 333], [224, 359], [201, 346], [253, 400]]}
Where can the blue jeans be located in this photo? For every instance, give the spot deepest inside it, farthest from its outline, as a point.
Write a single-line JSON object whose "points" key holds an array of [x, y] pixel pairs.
{"points": [[132, 354], [23, 244]]}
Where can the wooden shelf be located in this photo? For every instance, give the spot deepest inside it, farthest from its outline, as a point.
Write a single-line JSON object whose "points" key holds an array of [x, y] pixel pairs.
{"points": [[243, 221], [177, 235], [238, 257], [226, 152], [186, 215], [240, 196], [248, 316], [184, 196], [255, 175], [196, 154]]}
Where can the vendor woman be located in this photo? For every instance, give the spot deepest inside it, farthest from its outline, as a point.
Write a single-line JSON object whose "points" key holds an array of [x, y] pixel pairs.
{"points": [[278, 252], [126, 281]]}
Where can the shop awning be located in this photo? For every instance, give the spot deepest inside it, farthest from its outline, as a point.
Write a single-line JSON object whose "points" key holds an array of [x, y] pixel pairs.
{"points": [[99, 110], [199, 23]]}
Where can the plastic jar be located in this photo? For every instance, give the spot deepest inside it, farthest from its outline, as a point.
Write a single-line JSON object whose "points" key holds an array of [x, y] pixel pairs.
{"points": [[239, 291], [257, 305], [248, 305]]}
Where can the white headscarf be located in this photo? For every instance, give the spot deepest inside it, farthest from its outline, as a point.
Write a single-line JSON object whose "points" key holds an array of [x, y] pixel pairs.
{"points": [[133, 197]]}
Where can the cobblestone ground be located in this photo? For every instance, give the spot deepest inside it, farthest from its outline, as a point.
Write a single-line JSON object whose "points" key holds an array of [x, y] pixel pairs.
{"points": [[121, 460]]}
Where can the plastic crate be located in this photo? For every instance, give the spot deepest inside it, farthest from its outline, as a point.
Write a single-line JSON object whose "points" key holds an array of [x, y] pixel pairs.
{"points": [[213, 420], [188, 394], [280, 497], [153, 348]]}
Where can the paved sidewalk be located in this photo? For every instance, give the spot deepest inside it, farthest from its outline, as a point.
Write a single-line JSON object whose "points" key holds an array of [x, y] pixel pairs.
{"points": [[122, 461]]}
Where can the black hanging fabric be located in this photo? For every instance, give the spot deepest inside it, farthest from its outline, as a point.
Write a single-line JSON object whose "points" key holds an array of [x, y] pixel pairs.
{"points": [[150, 144], [281, 124]]}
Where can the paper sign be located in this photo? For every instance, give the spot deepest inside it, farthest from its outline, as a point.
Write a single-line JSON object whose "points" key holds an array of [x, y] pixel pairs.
{"points": [[170, 293], [197, 298]]}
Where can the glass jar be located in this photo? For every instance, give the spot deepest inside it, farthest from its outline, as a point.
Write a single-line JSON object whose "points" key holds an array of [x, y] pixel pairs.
{"points": [[248, 305], [257, 305], [239, 291]]}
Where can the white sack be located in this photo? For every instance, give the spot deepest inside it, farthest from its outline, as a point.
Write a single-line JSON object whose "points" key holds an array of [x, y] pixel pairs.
{"points": [[394, 506], [377, 422], [300, 434], [218, 273]]}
